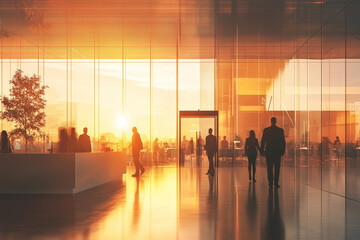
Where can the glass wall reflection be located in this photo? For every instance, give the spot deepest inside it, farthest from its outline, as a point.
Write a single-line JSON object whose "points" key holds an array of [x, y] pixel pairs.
{"points": [[109, 69]]}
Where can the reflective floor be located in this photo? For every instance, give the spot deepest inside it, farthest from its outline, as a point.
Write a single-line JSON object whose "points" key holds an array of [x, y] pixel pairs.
{"points": [[167, 203]]}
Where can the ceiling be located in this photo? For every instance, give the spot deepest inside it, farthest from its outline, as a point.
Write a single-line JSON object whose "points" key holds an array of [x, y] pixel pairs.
{"points": [[189, 29]]}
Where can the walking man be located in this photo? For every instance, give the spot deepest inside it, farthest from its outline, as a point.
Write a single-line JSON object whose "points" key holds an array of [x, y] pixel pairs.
{"points": [[136, 147], [211, 149], [273, 141]]}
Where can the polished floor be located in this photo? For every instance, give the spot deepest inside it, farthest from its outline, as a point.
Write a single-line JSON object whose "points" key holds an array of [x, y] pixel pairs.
{"points": [[171, 203]]}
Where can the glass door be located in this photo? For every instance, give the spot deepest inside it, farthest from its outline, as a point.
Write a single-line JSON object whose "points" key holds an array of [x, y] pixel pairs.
{"points": [[193, 128]]}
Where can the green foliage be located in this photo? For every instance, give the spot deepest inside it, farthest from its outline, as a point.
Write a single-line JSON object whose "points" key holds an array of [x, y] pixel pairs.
{"points": [[25, 106]]}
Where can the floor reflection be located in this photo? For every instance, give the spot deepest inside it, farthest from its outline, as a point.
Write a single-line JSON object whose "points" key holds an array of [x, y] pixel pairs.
{"points": [[137, 205], [251, 208], [46, 216], [274, 226], [171, 203]]}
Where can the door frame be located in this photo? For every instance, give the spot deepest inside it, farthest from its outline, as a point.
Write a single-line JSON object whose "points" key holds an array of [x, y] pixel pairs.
{"points": [[199, 114]]}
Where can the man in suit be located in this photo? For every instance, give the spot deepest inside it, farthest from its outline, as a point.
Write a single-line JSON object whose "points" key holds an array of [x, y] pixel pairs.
{"points": [[84, 143], [136, 147], [211, 149], [273, 141]]}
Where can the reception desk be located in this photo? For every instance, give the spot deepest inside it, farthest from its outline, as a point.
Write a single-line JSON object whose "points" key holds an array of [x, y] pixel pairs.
{"points": [[59, 173]]}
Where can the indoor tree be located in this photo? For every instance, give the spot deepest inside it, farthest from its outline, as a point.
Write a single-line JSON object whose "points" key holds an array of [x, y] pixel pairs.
{"points": [[25, 107]]}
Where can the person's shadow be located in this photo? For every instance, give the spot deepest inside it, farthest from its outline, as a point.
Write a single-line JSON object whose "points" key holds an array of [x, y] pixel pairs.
{"points": [[274, 226], [136, 205], [210, 225], [251, 207]]}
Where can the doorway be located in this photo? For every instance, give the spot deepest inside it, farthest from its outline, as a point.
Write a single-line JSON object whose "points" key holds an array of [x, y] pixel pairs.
{"points": [[193, 129]]}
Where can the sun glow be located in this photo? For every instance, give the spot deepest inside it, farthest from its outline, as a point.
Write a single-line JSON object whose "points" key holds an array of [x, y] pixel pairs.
{"points": [[122, 122]]}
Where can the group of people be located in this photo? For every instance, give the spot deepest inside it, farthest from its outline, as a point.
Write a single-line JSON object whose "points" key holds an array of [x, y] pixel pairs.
{"points": [[68, 142], [325, 146], [272, 147], [187, 148]]}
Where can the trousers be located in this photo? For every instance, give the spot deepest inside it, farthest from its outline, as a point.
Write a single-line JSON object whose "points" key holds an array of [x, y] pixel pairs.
{"points": [[251, 162], [138, 165], [211, 161], [273, 162]]}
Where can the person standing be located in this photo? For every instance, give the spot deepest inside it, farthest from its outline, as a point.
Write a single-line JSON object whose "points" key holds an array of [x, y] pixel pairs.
{"points": [[337, 148], [199, 149], [251, 147], [84, 143], [73, 140], [224, 144], [5, 143], [211, 149], [63, 140], [136, 147], [191, 146], [273, 141], [155, 150]]}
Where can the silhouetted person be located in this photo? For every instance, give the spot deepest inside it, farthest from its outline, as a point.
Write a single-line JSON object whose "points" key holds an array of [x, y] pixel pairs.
{"points": [[84, 144], [63, 140], [155, 149], [199, 149], [5, 143], [337, 147], [73, 140], [183, 151], [273, 141], [251, 147], [325, 148], [186, 145], [274, 226], [191, 146], [224, 144], [211, 149], [136, 147]]}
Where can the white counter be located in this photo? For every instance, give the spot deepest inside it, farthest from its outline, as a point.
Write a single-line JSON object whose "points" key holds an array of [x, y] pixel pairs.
{"points": [[59, 173]]}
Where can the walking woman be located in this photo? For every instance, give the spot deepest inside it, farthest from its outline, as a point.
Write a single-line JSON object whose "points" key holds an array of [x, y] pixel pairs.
{"points": [[251, 147]]}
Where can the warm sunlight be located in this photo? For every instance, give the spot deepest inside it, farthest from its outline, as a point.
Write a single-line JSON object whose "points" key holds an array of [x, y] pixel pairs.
{"points": [[121, 122]]}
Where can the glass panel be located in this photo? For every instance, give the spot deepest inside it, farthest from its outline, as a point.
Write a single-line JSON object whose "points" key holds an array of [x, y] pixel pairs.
{"points": [[137, 101], [112, 123], [333, 108], [193, 138], [189, 84], [55, 76], [315, 123], [352, 103], [82, 105], [163, 111]]}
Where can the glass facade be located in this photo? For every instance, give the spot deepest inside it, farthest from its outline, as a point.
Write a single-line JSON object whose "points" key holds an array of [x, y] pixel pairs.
{"points": [[111, 65]]}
